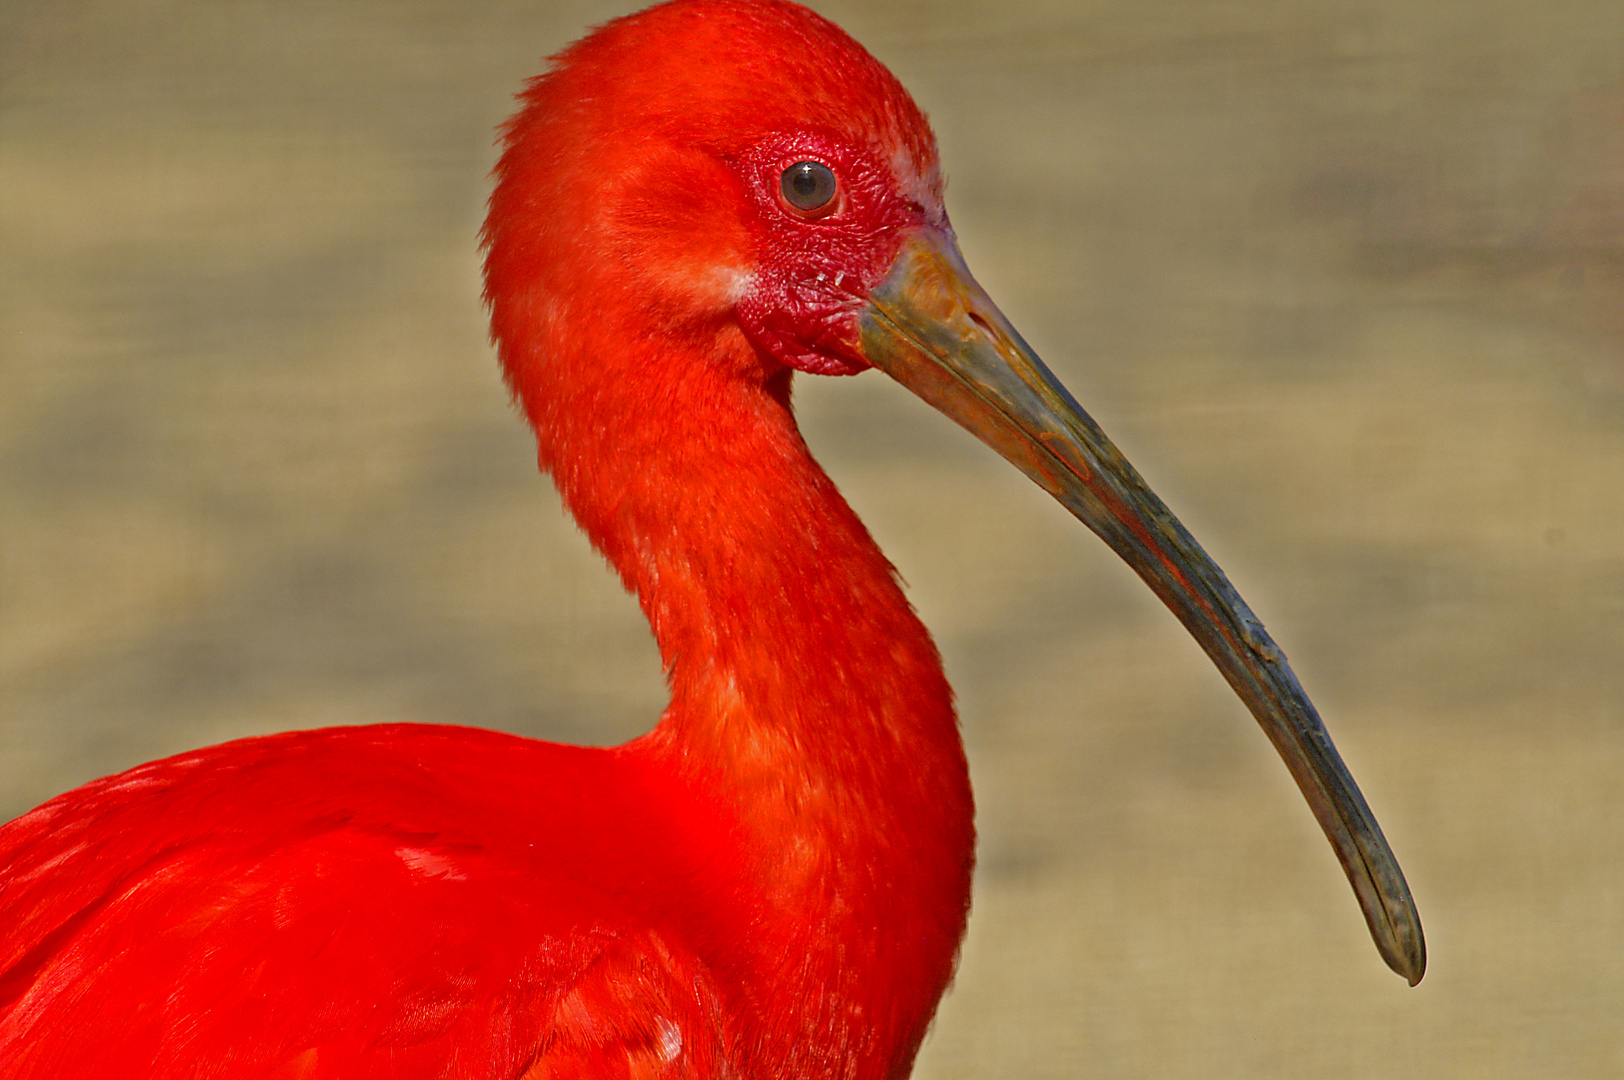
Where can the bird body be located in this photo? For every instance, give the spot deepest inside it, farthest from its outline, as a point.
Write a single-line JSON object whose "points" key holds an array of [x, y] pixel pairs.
{"points": [[379, 901], [692, 204]]}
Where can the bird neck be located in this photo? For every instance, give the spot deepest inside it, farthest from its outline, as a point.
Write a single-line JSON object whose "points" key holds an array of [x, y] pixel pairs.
{"points": [[806, 696]]}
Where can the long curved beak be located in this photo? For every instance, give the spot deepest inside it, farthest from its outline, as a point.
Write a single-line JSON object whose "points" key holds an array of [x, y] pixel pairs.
{"points": [[932, 328]]}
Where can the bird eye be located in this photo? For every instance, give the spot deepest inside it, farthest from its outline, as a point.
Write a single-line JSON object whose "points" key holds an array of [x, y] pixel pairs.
{"points": [[809, 187]]}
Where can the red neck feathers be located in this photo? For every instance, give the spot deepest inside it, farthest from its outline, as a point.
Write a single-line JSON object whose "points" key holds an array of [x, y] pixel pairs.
{"points": [[806, 695]]}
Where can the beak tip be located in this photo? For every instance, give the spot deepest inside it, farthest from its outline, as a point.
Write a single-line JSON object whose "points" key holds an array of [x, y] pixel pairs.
{"points": [[1403, 946], [1417, 967]]}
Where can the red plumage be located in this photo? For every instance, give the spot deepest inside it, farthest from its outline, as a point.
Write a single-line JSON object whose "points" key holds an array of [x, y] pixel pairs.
{"points": [[353, 902], [775, 878]]}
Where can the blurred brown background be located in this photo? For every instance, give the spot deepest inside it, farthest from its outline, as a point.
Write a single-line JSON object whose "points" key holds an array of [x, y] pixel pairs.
{"points": [[1345, 280]]}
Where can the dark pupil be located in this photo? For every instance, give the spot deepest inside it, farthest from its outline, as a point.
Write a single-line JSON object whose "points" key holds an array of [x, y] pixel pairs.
{"points": [[808, 185]]}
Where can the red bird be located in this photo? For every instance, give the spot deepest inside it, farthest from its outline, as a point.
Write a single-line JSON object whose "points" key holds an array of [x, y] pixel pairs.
{"points": [[692, 204]]}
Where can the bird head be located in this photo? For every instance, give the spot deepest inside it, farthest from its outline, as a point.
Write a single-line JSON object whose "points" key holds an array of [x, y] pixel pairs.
{"points": [[709, 164]]}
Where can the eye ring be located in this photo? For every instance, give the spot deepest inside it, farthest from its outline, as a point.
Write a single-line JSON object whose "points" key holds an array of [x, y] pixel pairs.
{"points": [[809, 188]]}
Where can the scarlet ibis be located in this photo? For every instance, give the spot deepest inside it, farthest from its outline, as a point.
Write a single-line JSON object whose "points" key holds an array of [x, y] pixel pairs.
{"points": [[692, 204]]}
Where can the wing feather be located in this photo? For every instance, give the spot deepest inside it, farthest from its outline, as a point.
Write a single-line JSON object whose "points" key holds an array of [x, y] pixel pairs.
{"points": [[237, 913]]}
